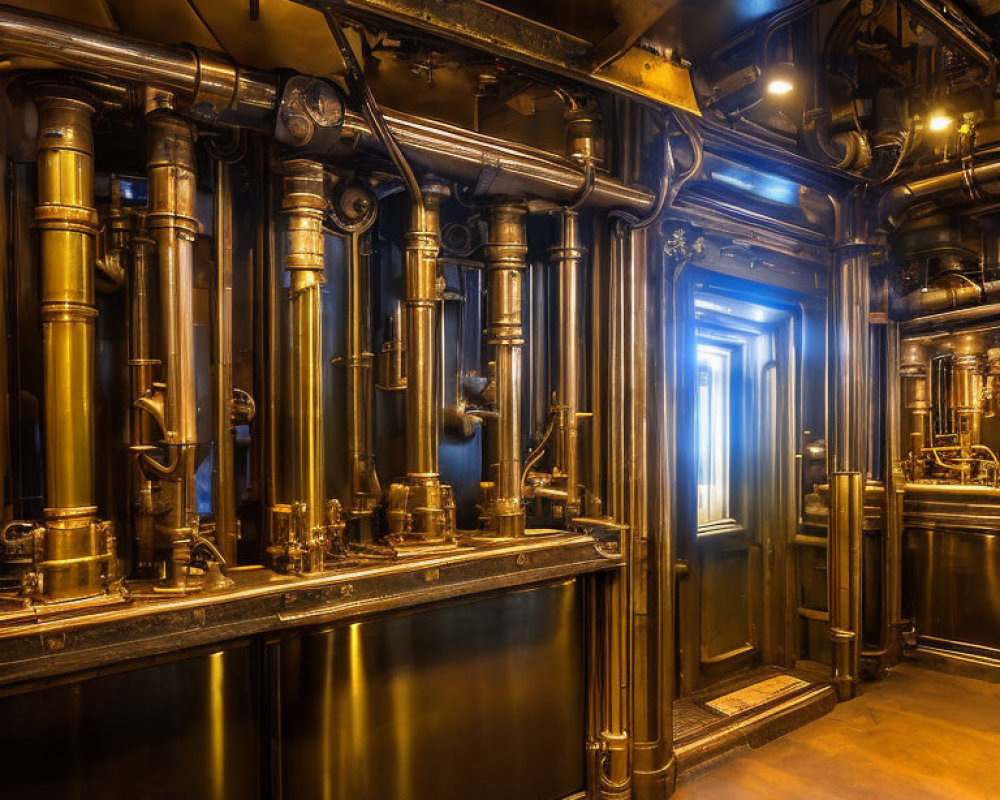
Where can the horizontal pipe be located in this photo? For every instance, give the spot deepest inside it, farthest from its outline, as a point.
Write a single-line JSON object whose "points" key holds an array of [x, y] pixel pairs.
{"points": [[975, 179], [203, 78], [930, 300], [499, 167], [240, 94]]}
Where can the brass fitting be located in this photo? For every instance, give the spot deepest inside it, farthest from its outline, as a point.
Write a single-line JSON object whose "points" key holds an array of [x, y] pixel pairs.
{"points": [[505, 254], [421, 509], [75, 558]]}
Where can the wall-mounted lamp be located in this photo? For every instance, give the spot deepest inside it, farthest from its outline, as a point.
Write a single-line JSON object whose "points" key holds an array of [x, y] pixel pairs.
{"points": [[780, 80]]}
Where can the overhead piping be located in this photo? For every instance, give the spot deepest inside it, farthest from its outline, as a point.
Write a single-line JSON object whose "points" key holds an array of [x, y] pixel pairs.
{"points": [[975, 179]]}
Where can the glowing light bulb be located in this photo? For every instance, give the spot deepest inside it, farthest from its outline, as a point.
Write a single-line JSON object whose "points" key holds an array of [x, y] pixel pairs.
{"points": [[780, 87], [939, 122]]}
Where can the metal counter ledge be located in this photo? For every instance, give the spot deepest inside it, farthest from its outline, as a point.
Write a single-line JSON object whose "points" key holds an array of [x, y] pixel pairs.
{"points": [[47, 641]]}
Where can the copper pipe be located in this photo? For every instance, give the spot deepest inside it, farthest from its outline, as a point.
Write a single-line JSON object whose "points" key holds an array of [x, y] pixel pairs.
{"points": [[567, 256], [421, 508], [75, 549], [365, 492], [303, 203], [173, 222], [142, 374], [504, 255], [223, 479]]}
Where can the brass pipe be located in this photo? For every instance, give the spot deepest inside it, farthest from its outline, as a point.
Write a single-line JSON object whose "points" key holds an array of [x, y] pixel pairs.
{"points": [[916, 425], [245, 96], [173, 222], [567, 257], [67, 223], [844, 576], [616, 780], [848, 458], [505, 256], [208, 81], [968, 363], [421, 508], [365, 492], [303, 203], [142, 373], [223, 479], [652, 548]]}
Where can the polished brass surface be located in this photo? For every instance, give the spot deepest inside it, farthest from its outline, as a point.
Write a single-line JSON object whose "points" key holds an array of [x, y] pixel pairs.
{"points": [[365, 491], [849, 458], [422, 508], [226, 523], [75, 547], [374, 708], [567, 256], [502, 510], [313, 526], [172, 223], [646, 445], [143, 366], [846, 519], [207, 719], [156, 623]]}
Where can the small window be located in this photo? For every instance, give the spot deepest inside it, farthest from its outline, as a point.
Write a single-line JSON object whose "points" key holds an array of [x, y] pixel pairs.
{"points": [[713, 414]]}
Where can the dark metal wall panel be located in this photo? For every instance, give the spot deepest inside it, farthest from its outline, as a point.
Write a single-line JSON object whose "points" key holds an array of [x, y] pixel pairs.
{"points": [[482, 699], [186, 728], [950, 585]]}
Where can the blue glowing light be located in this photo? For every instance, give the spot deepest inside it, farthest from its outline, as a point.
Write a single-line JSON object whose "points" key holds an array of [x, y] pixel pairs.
{"points": [[769, 187]]}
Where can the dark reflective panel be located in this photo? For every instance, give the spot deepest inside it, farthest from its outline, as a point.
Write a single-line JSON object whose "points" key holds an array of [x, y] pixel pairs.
{"points": [[181, 729], [951, 580], [482, 699]]}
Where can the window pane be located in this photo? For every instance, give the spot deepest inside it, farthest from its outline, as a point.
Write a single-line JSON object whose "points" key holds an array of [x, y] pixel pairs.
{"points": [[713, 365]]}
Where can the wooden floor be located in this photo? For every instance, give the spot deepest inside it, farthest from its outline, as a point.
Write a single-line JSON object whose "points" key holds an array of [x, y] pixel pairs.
{"points": [[918, 734]]}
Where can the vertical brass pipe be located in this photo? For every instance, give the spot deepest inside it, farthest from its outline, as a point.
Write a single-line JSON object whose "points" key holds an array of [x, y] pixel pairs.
{"points": [[142, 373], [967, 379], [67, 225], [365, 492], [173, 222], [651, 559], [894, 506], [848, 457], [567, 256], [226, 532], [597, 367], [616, 778], [916, 424], [421, 508], [505, 255], [303, 203]]}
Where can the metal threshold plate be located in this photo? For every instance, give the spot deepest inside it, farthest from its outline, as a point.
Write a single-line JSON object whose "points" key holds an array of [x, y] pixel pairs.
{"points": [[756, 695]]}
